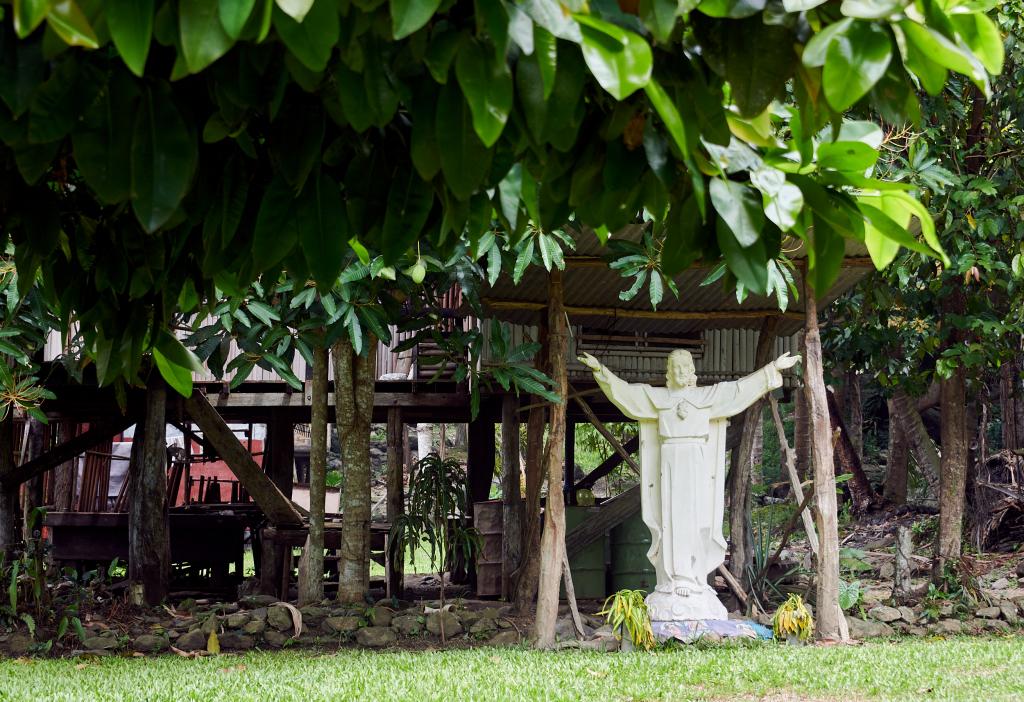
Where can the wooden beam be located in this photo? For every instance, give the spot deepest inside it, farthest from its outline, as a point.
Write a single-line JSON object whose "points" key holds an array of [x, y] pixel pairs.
{"points": [[572, 396], [608, 436], [599, 262], [65, 451], [609, 515], [607, 466], [794, 477], [278, 508], [671, 315]]}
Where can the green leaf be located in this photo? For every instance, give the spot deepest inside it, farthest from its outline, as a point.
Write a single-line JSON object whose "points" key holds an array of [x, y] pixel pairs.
{"points": [[825, 258], [846, 156], [464, 159], [854, 62], [29, 14], [234, 14], [102, 145], [817, 48], [68, 21], [203, 39], [757, 81], [669, 114], [545, 50], [407, 16], [735, 9], [749, 263], [740, 209], [487, 85], [423, 142], [982, 36], [175, 351], [782, 201], [164, 156], [61, 101], [131, 28], [323, 229], [871, 9], [619, 60], [275, 233], [298, 9], [311, 40], [296, 140], [409, 203], [659, 16], [683, 233], [944, 52]]}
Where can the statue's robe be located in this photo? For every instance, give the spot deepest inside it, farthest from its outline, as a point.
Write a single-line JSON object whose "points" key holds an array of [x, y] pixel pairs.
{"points": [[682, 460]]}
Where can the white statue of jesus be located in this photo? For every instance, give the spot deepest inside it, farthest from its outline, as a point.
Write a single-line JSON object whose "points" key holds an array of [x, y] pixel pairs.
{"points": [[682, 462]]}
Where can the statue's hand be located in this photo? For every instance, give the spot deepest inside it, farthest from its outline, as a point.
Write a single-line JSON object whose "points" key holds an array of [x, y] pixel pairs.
{"points": [[786, 360], [589, 361]]}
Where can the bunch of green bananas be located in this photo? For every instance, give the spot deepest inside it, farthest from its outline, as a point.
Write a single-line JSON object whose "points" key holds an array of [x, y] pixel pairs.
{"points": [[792, 619]]}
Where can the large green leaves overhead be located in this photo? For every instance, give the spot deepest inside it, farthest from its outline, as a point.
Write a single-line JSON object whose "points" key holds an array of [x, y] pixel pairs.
{"points": [[619, 60], [487, 85], [234, 14], [409, 15], [740, 209], [276, 232], [409, 203], [855, 60], [464, 159], [323, 229], [104, 142], [311, 39], [163, 158], [131, 29], [203, 39]]}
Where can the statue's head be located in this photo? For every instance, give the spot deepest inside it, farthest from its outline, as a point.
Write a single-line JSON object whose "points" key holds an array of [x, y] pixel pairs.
{"points": [[680, 372]]}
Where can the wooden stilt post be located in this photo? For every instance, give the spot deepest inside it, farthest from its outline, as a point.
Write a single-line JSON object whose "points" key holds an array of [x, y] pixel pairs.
{"points": [[511, 499], [794, 479], [395, 497]]}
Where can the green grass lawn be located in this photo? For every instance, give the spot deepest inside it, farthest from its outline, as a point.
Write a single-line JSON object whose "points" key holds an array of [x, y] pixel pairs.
{"points": [[956, 669]]}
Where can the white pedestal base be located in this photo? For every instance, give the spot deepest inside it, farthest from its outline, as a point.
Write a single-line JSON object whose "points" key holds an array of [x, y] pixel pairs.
{"points": [[671, 607]]}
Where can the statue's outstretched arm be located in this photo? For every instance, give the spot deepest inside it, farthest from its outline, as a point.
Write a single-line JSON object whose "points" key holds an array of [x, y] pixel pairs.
{"points": [[732, 398], [630, 398]]}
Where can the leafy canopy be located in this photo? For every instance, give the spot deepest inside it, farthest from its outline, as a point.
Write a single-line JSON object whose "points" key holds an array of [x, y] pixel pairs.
{"points": [[158, 153]]}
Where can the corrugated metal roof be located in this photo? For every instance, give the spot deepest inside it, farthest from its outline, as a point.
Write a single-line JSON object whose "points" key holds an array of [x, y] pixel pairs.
{"points": [[590, 284]]}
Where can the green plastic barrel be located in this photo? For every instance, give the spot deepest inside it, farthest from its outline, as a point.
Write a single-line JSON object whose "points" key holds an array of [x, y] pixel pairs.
{"points": [[587, 566], [631, 569]]}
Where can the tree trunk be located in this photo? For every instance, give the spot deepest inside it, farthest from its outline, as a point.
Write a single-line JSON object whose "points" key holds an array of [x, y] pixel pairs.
{"points": [[853, 412], [529, 567], [149, 545], [552, 544], [741, 537], [827, 612], [895, 491], [1011, 405], [10, 516], [921, 446], [354, 378], [511, 500], [424, 440], [847, 460], [311, 563], [953, 481]]}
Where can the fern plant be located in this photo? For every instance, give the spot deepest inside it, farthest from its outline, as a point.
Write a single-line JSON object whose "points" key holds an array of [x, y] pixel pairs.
{"points": [[436, 516], [626, 612]]}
